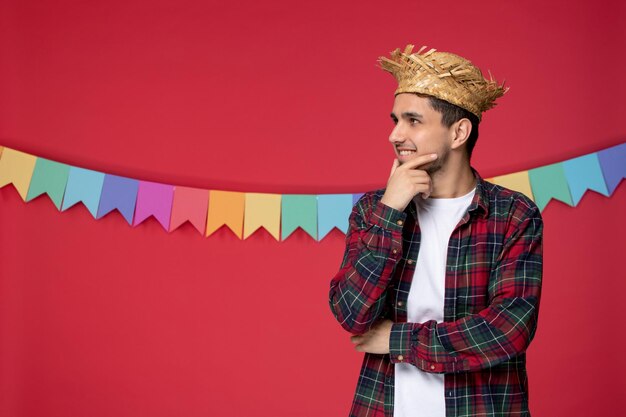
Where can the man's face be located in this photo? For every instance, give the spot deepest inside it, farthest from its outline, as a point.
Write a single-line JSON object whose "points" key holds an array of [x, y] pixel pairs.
{"points": [[418, 131]]}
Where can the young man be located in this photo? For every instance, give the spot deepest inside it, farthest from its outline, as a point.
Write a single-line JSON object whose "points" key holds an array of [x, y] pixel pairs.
{"points": [[441, 277]]}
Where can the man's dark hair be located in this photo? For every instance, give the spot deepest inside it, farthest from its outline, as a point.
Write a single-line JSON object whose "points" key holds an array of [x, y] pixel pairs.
{"points": [[451, 113]]}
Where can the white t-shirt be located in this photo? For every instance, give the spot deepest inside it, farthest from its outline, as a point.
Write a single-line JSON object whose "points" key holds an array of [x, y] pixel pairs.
{"points": [[418, 393]]}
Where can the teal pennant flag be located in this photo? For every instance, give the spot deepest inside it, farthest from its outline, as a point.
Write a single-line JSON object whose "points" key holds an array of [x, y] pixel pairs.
{"points": [[549, 182], [83, 185], [584, 173], [48, 177], [333, 210], [298, 210]]}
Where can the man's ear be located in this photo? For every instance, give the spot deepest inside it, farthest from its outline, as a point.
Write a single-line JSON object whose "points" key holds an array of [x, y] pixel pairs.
{"points": [[461, 130]]}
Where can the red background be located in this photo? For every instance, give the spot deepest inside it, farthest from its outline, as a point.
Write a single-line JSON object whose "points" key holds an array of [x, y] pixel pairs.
{"points": [[98, 318]]}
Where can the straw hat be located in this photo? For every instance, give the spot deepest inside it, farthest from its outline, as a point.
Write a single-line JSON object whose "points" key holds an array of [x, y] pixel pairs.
{"points": [[443, 75]]}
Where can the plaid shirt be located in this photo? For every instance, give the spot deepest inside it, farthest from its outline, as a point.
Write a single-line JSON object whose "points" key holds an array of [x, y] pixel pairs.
{"points": [[492, 293]]}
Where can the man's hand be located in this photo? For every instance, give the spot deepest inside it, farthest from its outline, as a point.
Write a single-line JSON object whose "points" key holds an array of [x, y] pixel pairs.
{"points": [[406, 181], [376, 340]]}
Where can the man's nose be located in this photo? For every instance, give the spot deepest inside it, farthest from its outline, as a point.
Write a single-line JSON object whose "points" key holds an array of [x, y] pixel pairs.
{"points": [[397, 135]]}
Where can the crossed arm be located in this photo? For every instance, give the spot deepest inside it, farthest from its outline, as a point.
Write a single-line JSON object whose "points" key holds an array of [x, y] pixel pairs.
{"points": [[498, 333]]}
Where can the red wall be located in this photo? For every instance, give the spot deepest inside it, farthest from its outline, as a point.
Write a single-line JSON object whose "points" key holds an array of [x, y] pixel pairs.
{"points": [[100, 319]]}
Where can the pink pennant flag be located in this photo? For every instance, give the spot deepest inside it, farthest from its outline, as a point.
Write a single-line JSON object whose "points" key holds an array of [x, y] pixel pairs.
{"points": [[190, 204], [154, 199]]}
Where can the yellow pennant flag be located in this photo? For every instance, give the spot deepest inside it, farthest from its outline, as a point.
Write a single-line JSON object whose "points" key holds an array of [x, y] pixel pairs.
{"points": [[17, 168], [262, 210], [225, 208], [517, 181]]}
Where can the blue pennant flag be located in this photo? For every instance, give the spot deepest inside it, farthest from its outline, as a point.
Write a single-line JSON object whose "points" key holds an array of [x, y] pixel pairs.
{"points": [[83, 185], [613, 162], [584, 173], [118, 193], [355, 198], [333, 210]]}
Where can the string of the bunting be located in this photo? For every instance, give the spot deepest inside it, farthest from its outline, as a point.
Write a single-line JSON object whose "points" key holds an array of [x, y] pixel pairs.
{"points": [[280, 214]]}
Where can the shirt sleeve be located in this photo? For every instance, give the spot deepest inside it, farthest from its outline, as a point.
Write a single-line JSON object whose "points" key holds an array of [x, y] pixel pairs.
{"points": [[373, 248], [498, 333]]}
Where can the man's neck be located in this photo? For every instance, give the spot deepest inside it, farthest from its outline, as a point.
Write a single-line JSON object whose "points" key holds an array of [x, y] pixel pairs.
{"points": [[453, 180]]}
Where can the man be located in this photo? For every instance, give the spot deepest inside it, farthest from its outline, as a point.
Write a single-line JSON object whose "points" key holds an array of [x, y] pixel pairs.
{"points": [[441, 277]]}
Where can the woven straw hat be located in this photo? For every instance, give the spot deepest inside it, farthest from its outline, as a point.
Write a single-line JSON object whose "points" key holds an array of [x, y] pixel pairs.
{"points": [[443, 75]]}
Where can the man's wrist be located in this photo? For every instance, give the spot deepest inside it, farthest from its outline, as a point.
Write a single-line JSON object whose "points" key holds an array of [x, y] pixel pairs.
{"points": [[394, 206], [401, 341], [387, 217]]}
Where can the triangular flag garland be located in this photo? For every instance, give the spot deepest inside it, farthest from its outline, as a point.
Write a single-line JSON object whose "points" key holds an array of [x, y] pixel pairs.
{"points": [[16, 168], [154, 199], [118, 193], [280, 215], [225, 208], [83, 185], [189, 204]]}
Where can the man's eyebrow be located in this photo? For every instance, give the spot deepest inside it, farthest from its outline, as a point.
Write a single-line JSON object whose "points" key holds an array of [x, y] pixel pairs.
{"points": [[408, 114]]}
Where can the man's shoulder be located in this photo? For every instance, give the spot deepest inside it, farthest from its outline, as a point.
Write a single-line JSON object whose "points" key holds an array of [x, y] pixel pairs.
{"points": [[503, 200]]}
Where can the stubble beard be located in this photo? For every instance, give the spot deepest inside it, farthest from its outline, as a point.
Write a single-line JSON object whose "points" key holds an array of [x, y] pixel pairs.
{"points": [[437, 164]]}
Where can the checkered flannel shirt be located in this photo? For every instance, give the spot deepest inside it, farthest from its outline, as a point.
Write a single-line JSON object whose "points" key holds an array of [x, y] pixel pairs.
{"points": [[491, 302]]}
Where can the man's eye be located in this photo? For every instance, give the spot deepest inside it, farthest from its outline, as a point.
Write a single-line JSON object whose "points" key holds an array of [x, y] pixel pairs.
{"points": [[413, 121]]}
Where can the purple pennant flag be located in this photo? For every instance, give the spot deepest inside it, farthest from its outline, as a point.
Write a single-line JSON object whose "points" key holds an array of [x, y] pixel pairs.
{"points": [[613, 163], [118, 193], [154, 199]]}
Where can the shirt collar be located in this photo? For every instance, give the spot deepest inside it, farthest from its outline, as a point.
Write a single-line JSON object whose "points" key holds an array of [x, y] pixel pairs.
{"points": [[480, 201]]}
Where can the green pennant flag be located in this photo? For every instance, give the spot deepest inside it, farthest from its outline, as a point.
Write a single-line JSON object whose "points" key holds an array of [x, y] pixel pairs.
{"points": [[299, 210], [49, 177], [549, 182]]}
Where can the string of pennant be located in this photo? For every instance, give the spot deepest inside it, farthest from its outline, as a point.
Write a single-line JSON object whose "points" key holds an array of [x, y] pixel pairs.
{"points": [[280, 214]]}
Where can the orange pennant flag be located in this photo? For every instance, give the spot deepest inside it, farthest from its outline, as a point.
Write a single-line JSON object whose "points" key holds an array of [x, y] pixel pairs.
{"points": [[225, 208]]}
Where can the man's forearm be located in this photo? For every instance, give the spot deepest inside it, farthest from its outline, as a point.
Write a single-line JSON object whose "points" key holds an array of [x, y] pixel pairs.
{"points": [[373, 248]]}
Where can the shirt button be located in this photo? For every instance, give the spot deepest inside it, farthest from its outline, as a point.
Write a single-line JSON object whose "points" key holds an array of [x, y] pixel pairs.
{"points": [[410, 261], [394, 251], [432, 366], [400, 357], [399, 222], [399, 303]]}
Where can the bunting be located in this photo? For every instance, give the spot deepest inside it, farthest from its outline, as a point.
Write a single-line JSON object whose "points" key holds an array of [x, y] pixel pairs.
{"points": [[48, 177], [261, 210], [154, 199], [299, 211], [244, 213], [84, 186], [118, 193], [190, 204], [226, 208], [16, 168]]}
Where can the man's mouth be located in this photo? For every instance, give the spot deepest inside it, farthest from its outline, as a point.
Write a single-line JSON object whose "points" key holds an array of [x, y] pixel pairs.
{"points": [[405, 152]]}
